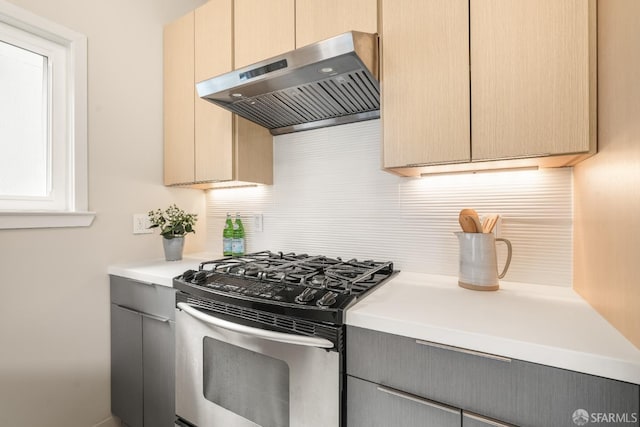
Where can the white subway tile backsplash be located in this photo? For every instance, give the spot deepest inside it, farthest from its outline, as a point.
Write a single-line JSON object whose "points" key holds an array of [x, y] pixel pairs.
{"points": [[331, 197]]}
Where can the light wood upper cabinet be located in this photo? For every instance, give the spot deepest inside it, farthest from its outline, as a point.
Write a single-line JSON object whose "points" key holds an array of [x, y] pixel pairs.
{"points": [[532, 77], [319, 20], [178, 101], [425, 81], [531, 67], [197, 135], [205, 145], [262, 29], [213, 125], [253, 152]]}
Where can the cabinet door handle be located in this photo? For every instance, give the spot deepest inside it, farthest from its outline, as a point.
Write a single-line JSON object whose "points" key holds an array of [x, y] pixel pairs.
{"points": [[142, 313], [484, 420], [154, 317], [464, 350], [417, 399]]}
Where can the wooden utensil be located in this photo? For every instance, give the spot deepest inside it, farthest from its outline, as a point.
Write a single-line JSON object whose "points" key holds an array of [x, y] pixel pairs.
{"points": [[476, 222], [467, 224], [489, 223], [474, 217], [469, 221]]}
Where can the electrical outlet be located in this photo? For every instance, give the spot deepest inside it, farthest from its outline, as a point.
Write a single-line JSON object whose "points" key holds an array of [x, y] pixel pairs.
{"points": [[141, 224], [257, 223]]}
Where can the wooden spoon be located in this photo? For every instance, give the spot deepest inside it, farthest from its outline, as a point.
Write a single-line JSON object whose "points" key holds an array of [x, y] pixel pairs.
{"points": [[467, 224], [469, 221]]}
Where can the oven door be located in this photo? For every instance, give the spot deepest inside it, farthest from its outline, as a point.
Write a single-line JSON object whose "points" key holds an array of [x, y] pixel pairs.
{"points": [[232, 375]]}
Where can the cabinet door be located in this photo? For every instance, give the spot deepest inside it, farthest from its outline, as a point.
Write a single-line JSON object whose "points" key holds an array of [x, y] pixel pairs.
{"points": [[319, 20], [253, 152], [372, 405], [532, 77], [126, 366], [425, 81], [213, 125], [262, 29], [159, 372], [178, 100]]}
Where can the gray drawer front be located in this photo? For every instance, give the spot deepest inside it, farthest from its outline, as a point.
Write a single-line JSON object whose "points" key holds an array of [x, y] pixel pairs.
{"points": [[147, 298], [368, 405], [473, 420], [516, 392]]}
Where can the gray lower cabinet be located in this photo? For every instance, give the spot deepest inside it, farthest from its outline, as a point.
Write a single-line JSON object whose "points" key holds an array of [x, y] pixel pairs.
{"points": [[142, 353], [126, 365], [371, 405], [488, 389], [158, 371]]}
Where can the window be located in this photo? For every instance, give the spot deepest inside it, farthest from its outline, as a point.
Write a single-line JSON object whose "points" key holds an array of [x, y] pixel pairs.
{"points": [[43, 129]]}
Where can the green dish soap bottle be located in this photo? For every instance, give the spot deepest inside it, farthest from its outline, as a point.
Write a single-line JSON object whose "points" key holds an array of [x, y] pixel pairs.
{"points": [[237, 245], [227, 236]]}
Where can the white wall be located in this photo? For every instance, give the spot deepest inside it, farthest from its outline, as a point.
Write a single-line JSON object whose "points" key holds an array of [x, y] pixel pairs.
{"points": [[54, 294], [330, 197]]}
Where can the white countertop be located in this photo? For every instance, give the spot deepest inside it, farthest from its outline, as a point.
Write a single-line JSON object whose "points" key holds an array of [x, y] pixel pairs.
{"points": [[159, 271], [549, 325], [542, 324]]}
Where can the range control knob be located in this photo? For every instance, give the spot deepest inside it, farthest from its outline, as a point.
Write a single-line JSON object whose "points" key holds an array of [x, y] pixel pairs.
{"points": [[200, 277], [327, 299], [306, 295], [188, 275]]}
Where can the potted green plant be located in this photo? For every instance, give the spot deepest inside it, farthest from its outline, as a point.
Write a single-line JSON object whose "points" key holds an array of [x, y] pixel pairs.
{"points": [[174, 224]]}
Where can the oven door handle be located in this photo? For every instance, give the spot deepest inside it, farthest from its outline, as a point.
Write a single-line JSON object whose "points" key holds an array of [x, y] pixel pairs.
{"points": [[255, 332]]}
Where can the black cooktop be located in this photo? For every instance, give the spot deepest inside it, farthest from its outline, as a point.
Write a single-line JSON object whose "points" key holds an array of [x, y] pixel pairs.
{"points": [[317, 288]]}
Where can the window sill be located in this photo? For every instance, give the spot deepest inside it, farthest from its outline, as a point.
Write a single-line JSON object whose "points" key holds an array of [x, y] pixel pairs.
{"points": [[28, 219]]}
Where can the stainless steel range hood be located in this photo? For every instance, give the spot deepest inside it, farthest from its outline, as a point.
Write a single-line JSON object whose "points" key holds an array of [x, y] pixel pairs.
{"points": [[328, 83]]}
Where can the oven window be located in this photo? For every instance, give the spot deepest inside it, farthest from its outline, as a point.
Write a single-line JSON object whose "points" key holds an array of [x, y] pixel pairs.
{"points": [[247, 383]]}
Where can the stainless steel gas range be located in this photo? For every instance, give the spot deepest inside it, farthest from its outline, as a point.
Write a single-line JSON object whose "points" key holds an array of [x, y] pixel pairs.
{"points": [[260, 338]]}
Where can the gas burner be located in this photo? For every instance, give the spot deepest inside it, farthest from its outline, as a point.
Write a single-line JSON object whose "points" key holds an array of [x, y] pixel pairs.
{"points": [[326, 280], [319, 280]]}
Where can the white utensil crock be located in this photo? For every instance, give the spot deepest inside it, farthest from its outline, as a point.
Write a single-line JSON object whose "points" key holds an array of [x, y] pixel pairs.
{"points": [[478, 261]]}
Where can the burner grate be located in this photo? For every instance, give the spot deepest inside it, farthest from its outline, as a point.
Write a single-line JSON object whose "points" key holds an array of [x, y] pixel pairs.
{"points": [[346, 277]]}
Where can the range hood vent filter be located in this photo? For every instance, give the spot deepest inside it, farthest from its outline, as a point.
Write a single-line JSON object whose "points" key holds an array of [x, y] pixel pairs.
{"points": [[328, 99], [307, 90]]}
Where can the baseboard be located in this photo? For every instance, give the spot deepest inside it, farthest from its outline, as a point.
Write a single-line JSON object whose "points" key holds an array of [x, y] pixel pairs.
{"points": [[110, 422]]}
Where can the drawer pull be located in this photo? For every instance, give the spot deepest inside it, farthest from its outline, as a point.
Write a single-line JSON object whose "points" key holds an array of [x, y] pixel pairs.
{"points": [[484, 420], [416, 399], [142, 313], [464, 350]]}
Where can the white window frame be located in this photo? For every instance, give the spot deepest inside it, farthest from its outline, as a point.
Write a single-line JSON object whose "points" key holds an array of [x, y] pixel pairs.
{"points": [[73, 211]]}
